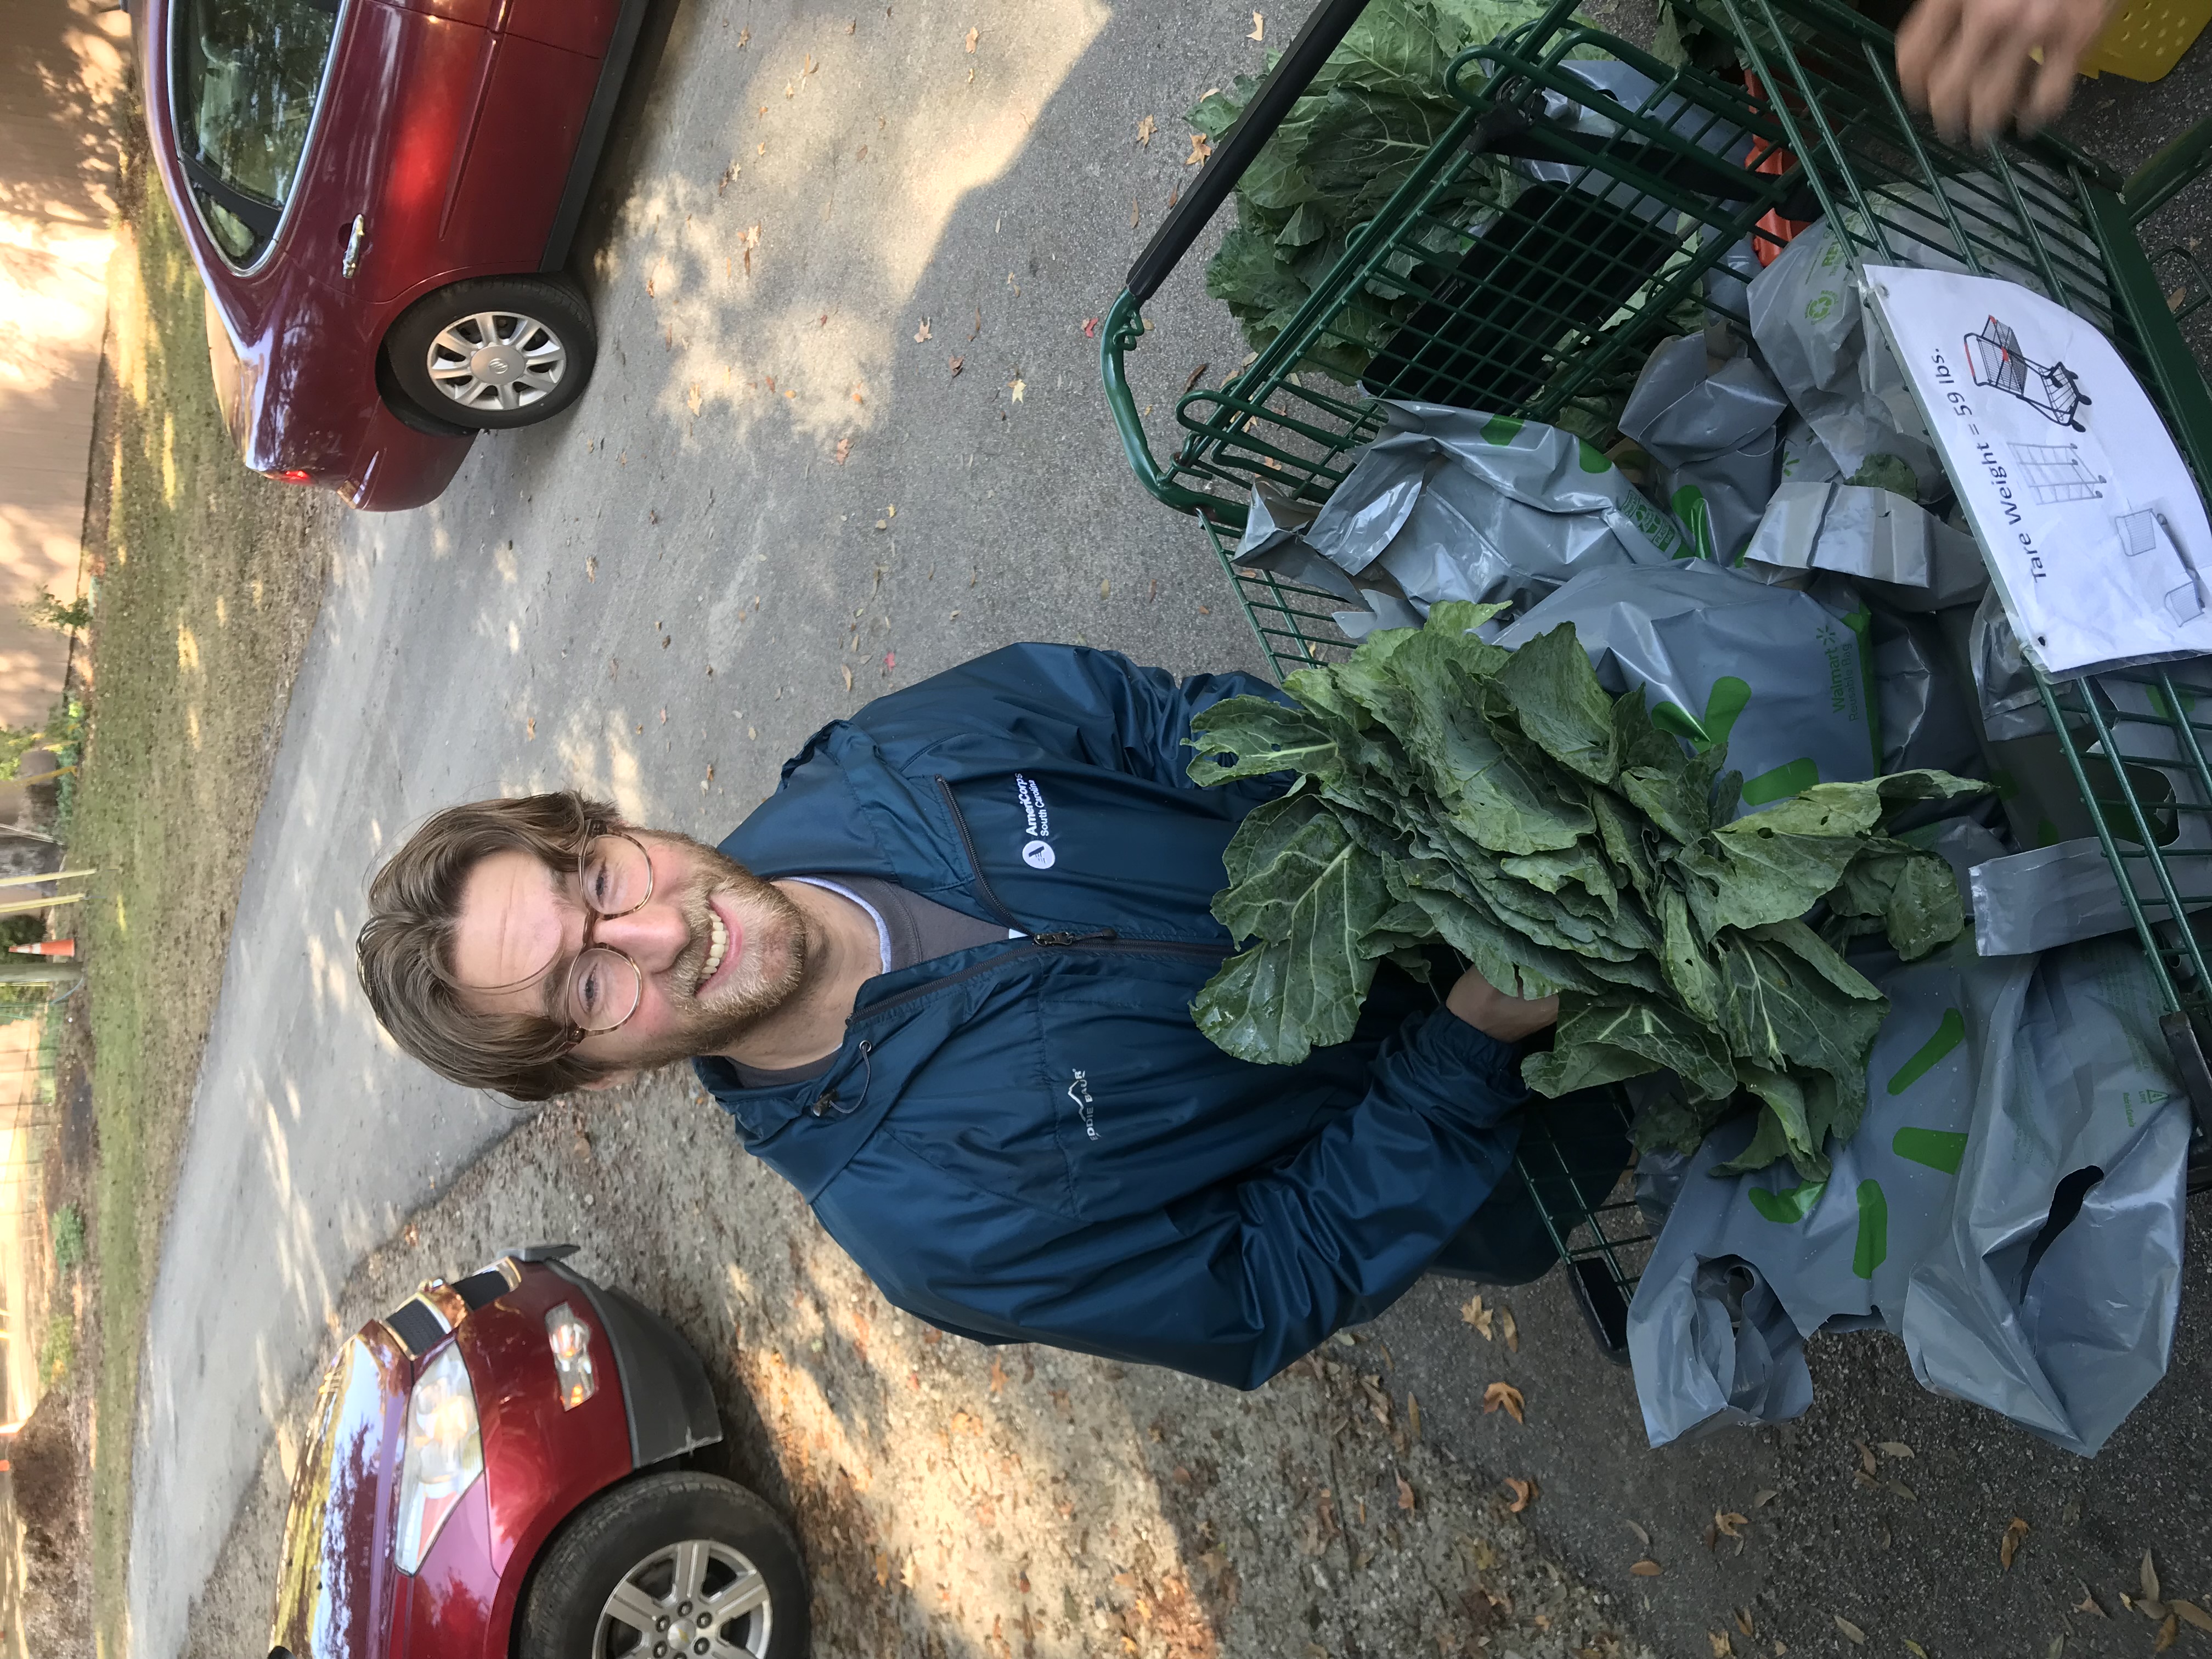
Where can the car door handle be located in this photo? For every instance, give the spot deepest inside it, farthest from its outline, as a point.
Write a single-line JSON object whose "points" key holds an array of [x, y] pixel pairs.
{"points": [[352, 261]]}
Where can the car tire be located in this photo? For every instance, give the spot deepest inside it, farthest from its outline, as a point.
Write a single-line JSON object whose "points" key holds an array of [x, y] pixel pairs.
{"points": [[628, 1548], [493, 353]]}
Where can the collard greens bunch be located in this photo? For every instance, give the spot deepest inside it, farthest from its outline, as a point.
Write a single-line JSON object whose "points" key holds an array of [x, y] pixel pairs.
{"points": [[1372, 112], [1505, 803]]}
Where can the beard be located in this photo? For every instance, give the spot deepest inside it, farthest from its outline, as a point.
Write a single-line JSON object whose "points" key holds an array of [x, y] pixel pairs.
{"points": [[770, 970]]}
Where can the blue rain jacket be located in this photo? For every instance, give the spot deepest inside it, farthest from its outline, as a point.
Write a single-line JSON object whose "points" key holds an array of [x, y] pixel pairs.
{"points": [[1032, 1141]]}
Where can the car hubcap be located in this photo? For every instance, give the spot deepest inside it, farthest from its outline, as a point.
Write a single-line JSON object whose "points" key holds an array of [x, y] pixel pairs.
{"points": [[496, 360], [698, 1598]]}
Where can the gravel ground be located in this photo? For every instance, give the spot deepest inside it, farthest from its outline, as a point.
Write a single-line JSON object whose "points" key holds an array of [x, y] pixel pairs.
{"points": [[954, 1499]]}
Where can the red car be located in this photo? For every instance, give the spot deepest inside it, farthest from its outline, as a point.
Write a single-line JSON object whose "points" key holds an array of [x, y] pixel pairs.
{"points": [[497, 1469], [380, 196]]}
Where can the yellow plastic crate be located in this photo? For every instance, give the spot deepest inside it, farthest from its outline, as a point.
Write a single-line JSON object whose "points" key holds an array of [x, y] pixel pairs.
{"points": [[2146, 38]]}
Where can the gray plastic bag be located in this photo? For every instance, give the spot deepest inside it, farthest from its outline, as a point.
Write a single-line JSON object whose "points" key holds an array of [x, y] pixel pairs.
{"points": [[2052, 895], [1948, 1219], [1772, 673], [1807, 319], [1869, 534], [1272, 542], [1457, 504], [1710, 425]]}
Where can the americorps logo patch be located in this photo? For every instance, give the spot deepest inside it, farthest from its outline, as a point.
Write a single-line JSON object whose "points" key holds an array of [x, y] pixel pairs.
{"points": [[1037, 819]]}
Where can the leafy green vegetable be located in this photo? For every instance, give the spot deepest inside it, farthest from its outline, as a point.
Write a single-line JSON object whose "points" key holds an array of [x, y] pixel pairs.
{"points": [[1376, 108], [1501, 803]]}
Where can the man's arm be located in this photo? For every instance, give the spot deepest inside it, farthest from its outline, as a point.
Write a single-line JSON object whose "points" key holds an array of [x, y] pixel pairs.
{"points": [[1234, 1283], [1061, 700]]}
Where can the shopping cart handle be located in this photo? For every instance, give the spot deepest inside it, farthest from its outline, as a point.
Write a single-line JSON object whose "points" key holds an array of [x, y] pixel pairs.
{"points": [[1246, 138], [2168, 173]]}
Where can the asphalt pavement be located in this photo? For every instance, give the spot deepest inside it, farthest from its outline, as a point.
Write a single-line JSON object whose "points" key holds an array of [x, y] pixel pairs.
{"points": [[845, 431]]}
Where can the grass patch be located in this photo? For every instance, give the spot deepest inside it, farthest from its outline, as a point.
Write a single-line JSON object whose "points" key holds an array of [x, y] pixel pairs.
{"points": [[209, 577], [69, 1238], [58, 1348]]}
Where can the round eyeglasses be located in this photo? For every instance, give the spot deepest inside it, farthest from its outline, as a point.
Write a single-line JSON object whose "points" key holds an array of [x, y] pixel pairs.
{"points": [[603, 987]]}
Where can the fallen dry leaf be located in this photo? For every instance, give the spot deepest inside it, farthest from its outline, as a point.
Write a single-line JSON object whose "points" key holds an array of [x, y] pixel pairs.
{"points": [[1195, 375], [921, 333], [1258, 28], [1512, 1330], [2009, 1545], [1723, 1648], [1473, 1312], [1503, 1396], [2149, 1578], [1642, 1536], [2166, 1633], [844, 450], [1866, 1458], [997, 1376], [1893, 1448], [972, 38], [847, 673], [2191, 1613], [1913, 1648], [529, 731], [1145, 129], [1525, 1492], [1135, 212], [1106, 589], [2058, 1645], [1017, 386], [1090, 328], [1201, 148], [2089, 1604], [978, 329], [1852, 1633], [1405, 1494], [1412, 1406], [1743, 1621], [1729, 1524], [1646, 1569]]}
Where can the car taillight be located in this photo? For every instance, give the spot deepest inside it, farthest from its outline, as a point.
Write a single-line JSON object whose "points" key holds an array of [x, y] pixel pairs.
{"points": [[570, 1339], [293, 475], [444, 1457]]}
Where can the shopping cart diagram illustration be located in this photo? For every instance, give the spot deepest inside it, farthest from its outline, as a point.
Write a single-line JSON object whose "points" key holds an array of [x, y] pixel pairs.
{"points": [[2055, 473], [2053, 391]]}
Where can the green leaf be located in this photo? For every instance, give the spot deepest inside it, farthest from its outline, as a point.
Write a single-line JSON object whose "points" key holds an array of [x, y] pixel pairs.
{"points": [[1607, 1041], [1687, 958], [1313, 902], [1253, 737], [1563, 709], [1779, 1013], [1913, 893]]}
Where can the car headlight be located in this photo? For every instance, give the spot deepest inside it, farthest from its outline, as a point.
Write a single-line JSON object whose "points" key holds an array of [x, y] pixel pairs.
{"points": [[444, 1458]]}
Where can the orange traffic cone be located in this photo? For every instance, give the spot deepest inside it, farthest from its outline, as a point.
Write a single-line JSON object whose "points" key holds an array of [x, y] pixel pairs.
{"points": [[46, 947]]}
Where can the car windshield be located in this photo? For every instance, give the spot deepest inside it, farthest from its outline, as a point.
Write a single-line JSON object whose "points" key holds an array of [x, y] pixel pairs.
{"points": [[247, 74]]}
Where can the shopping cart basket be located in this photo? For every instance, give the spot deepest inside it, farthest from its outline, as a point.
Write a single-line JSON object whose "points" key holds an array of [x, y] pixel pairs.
{"points": [[1530, 291]]}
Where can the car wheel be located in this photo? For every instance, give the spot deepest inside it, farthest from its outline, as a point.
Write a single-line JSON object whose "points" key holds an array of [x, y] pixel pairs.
{"points": [[669, 1564], [494, 352]]}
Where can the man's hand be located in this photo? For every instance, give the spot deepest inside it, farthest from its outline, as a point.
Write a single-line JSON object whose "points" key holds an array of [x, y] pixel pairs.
{"points": [[1493, 1013], [1966, 62]]}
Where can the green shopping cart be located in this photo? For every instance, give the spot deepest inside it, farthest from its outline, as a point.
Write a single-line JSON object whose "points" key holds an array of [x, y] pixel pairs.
{"points": [[1533, 291]]}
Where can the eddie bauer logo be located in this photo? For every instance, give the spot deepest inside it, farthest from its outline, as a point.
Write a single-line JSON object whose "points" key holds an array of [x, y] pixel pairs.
{"points": [[1080, 1092], [1037, 818]]}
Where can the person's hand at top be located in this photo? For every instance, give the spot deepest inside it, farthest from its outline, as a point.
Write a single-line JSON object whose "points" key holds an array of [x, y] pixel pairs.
{"points": [[1967, 63]]}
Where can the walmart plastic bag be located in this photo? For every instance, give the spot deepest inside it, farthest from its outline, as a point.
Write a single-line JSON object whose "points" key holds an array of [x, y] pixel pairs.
{"points": [[1710, 421], [2011, 1207], [1779, 677], [1840, 374], [1456, 504]]}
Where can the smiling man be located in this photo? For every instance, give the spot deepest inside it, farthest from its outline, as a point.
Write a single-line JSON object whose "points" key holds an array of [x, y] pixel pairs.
{"points": [[942, 979]]}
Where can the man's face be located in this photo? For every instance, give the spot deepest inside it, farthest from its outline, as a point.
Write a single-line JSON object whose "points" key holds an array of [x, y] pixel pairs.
{"points": [[521, 924]]}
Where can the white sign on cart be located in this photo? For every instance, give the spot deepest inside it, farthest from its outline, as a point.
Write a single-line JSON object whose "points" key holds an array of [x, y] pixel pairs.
{"points": [[2094, 532]]}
